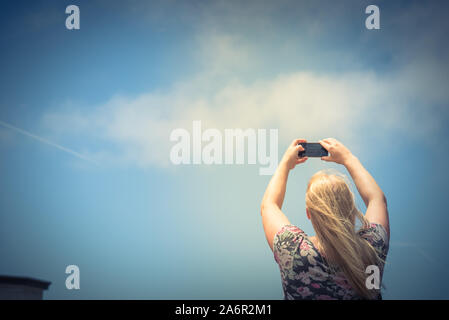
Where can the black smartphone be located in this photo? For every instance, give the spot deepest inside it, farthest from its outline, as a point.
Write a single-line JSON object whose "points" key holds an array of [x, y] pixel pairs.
{"points": [[313, 149]]}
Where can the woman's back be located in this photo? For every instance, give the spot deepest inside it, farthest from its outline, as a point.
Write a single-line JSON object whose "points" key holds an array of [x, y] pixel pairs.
{"points": [[305, 273], [332, 210]]}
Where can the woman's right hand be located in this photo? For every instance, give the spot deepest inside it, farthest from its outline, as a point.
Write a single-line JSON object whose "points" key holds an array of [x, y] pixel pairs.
{"points": [[337, 151]]}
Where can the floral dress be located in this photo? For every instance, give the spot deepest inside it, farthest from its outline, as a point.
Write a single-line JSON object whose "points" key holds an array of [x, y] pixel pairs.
{"points": [[304, 272]]}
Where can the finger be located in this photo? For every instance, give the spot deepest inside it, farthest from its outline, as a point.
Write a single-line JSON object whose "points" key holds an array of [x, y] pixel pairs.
{"points": [[325, 144], [300, 147], [301, 160], [330, 143], [296, 141], [326, 158]]}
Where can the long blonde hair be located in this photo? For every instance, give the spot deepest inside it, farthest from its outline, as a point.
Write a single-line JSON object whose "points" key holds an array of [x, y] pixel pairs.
{"points": [[333, 213]]}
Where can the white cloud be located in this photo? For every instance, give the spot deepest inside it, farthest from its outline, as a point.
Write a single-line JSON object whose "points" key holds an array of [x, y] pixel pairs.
{"points": [[348, 106]]}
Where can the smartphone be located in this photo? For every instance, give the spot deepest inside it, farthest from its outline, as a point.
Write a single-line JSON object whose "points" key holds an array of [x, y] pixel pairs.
{"points": [[312, 149]]}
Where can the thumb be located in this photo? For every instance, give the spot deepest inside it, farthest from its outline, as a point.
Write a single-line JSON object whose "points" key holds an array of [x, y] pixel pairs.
{"points": [[326, 158]]}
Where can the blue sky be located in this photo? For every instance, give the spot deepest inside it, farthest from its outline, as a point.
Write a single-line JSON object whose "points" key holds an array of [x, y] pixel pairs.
{"points": [[139, 227]]}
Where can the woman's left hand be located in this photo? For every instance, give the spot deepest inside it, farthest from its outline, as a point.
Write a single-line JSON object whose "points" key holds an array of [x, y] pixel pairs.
{"points": [[291, 158]]}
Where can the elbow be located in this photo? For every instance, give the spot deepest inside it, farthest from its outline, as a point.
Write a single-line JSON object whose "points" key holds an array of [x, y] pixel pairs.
{"points": [[265, 206], [384, 199], [268, 206], [262, 208], [380, 198]]}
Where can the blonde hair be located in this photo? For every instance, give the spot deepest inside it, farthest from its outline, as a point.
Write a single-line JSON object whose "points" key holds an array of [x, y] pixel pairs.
{"points": [[333, 213]]}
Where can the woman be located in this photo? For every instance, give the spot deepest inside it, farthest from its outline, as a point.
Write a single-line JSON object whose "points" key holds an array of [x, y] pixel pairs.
{"points": [[334, 264]]}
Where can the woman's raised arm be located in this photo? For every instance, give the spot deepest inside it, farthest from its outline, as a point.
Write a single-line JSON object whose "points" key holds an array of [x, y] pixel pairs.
{"points": [[273, 218]]}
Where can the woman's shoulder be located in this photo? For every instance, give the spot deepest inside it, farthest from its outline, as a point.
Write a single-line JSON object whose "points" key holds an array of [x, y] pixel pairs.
{"points": [[375, 234], [288, 237], [293, 248], [375, 230], [290, 230]]}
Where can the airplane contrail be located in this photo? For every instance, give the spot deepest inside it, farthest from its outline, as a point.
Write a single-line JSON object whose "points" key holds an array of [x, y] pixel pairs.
{"points": [[43, 140]]}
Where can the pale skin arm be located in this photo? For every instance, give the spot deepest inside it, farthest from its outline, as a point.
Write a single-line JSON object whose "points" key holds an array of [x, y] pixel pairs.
{"points": [[372, 195], [273, 218]]}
